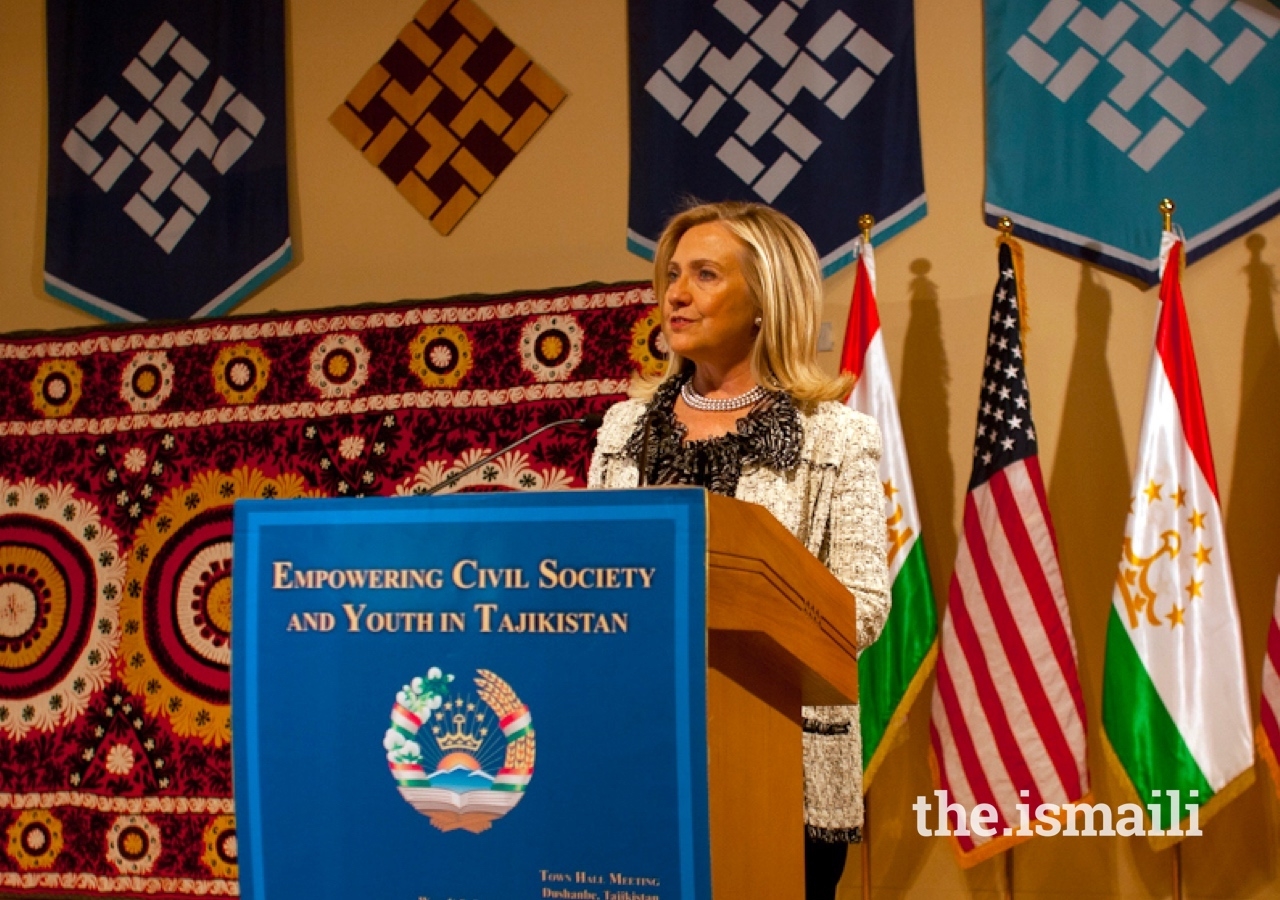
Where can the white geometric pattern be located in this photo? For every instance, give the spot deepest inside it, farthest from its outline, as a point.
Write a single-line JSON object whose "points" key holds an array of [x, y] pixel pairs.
{"points": [[767, 111], [137, 139], [1228, 47]]}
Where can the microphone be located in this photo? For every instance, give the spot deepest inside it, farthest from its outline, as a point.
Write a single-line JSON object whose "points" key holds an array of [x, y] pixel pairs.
{"points": [[591, 420]]}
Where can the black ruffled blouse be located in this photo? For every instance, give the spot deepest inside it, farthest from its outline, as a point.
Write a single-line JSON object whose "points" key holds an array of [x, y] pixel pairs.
{"points": [[768, 435]]}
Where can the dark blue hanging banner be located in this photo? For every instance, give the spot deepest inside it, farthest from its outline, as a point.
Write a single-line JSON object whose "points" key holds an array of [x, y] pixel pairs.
{"points": [[168, 191], [807, 105]]}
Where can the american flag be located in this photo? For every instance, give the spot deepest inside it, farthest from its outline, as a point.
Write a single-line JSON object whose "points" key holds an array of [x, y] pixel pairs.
{"points": [[1008, 721]]}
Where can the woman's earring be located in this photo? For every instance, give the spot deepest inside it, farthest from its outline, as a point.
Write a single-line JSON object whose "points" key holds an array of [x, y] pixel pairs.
{"points": [[759, 321]]}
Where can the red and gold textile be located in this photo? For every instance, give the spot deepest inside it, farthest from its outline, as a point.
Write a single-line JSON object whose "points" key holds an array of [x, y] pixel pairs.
{"points": [[121, 452]]}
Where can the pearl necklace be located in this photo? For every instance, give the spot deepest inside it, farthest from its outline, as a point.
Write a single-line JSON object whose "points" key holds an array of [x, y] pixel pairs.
{"points": [[706, 404]]}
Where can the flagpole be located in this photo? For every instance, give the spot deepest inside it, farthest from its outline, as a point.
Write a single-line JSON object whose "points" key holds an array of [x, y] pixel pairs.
{"points": [[1005, 227], [866, 222], [1167, 207]]}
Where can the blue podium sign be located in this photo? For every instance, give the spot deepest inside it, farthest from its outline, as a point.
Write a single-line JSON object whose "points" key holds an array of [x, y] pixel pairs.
{"points": [[476, 697]]}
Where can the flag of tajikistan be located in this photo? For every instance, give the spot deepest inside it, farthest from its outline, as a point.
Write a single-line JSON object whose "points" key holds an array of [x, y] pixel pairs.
{"points": [[892, 670], [1175, 704]]}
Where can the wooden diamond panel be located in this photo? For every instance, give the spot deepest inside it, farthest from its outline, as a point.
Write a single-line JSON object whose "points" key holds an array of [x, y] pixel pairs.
{"points": [[447, 108]]}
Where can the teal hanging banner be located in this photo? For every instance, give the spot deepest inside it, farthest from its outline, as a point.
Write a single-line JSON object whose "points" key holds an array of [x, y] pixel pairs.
{"points": [[488, 697], [1099, 109]]}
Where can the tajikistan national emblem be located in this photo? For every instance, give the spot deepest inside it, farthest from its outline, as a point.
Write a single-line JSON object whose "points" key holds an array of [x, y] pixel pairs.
{"points": [[443, 748]]}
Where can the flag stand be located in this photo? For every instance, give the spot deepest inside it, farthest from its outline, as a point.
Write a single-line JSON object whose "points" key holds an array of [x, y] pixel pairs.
{"points": [[1008, 874], [1177, 871]]}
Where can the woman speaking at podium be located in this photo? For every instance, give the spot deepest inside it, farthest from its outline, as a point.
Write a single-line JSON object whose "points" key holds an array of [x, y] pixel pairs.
{"points": [[743, 409]]}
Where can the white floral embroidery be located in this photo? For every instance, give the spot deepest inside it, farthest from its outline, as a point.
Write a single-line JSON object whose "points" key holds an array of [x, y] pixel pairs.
{"points": [[120, 760], [351, 446], [135, 460]]}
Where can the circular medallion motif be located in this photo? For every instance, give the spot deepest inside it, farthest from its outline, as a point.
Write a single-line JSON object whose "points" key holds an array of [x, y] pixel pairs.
{"points": [[35, 839], [61, 578], [204, 602], [440, 355], [34, 597], [55, 390], [551, 347], [147, 381], [220, 852], [25, 597], [133, 845], [177, 605], [240, 373], [339, 366], [649, 348], [478, 748]]}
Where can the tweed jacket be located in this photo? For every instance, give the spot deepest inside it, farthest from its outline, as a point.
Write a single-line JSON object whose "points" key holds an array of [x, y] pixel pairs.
{"points": [[833, 502]]}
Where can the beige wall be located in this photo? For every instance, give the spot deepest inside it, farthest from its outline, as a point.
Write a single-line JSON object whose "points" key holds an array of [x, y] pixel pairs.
{"points": [[557, 217]]}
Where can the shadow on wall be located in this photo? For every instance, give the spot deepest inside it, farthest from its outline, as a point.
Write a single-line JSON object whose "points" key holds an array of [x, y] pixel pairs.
{"points": [[898, 853], [1252, 511], [1089, 500], [923, 402], [926, 425]]}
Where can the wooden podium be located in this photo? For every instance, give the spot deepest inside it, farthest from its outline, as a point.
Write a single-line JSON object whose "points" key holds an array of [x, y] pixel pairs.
{"points": [[628, 667], [782, 633]]}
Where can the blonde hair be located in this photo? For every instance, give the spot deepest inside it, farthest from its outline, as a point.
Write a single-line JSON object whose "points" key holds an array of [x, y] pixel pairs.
{"points": [[781, 269]]}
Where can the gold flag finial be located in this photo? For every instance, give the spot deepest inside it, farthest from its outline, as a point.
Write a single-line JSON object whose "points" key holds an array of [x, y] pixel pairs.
{"points": [[1005, 226], [1166, 211], [866, 222]]}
